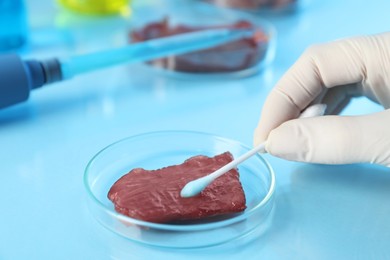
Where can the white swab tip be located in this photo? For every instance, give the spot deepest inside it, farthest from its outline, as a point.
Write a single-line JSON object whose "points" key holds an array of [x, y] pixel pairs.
{"points": [[194, 188], [187, 192]]}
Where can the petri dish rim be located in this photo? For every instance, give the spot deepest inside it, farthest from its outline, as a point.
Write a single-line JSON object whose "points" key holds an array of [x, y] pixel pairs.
{"points": [[172, 227]]}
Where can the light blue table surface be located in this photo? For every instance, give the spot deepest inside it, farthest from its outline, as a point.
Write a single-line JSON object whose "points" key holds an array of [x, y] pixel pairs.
{"points": [[321, 212]]}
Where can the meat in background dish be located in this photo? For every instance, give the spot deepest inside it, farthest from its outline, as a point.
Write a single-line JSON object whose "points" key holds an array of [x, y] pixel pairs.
{"points": [[255, 4], [230, 57]]}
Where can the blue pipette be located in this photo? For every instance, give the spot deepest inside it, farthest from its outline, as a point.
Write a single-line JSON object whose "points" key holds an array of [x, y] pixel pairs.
{"points": [[18, 77]]}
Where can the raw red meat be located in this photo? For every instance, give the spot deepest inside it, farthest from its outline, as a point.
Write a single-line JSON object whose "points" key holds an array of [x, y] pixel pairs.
{"points": [[234, 56], [254, 4], [154, 195]]}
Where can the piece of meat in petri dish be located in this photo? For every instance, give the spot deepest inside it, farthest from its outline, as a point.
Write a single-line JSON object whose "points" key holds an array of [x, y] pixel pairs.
{"points": [[230, 57], [254, 4], [154, 195]]}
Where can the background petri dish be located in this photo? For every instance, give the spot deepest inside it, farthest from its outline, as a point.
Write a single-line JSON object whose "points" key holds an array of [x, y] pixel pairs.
{"points": [[199, 14], [159, 149]]}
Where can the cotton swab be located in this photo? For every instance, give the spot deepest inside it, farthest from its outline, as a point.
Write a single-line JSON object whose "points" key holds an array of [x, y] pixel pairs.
{"points": [[195, 187]]}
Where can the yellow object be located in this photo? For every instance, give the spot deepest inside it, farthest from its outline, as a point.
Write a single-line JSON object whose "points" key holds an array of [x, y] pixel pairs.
{"points": [[98, 7]]}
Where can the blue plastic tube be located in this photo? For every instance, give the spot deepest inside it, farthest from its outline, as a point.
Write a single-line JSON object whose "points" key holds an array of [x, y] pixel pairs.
{"points": [[149, 50], [18, 77]]}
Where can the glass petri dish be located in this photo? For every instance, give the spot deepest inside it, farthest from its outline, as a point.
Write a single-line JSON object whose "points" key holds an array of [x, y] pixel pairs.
{"points": [[234, 61], [159, 149]]}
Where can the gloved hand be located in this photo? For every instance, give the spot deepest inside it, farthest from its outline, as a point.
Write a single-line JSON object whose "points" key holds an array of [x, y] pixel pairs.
{"points": [[332, 74]]}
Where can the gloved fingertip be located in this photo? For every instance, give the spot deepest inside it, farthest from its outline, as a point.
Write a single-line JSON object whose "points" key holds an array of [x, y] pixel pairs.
{"points": [[287, 142], [257, 141], [258, 137]]}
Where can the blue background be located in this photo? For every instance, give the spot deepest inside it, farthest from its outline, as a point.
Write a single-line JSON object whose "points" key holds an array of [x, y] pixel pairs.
{"points": [[321, 212]]}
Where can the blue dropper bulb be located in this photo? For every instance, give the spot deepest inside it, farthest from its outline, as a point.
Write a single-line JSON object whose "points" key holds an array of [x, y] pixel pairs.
{"points": [[15, 79], [19, 77]]}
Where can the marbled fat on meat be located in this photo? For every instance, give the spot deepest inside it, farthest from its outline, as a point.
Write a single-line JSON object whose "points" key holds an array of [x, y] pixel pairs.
{"points": [[154, 195]]}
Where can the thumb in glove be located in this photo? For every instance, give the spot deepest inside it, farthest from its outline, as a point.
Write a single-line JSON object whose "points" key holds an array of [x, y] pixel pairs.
{"points": [[333, 139]]}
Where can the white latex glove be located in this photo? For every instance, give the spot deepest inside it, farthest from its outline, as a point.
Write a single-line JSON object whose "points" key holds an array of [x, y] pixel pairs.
{"points": [[332, 74]]}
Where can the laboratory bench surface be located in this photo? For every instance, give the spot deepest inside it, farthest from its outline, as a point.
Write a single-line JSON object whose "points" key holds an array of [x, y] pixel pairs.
{"points": [[320, 212]]}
